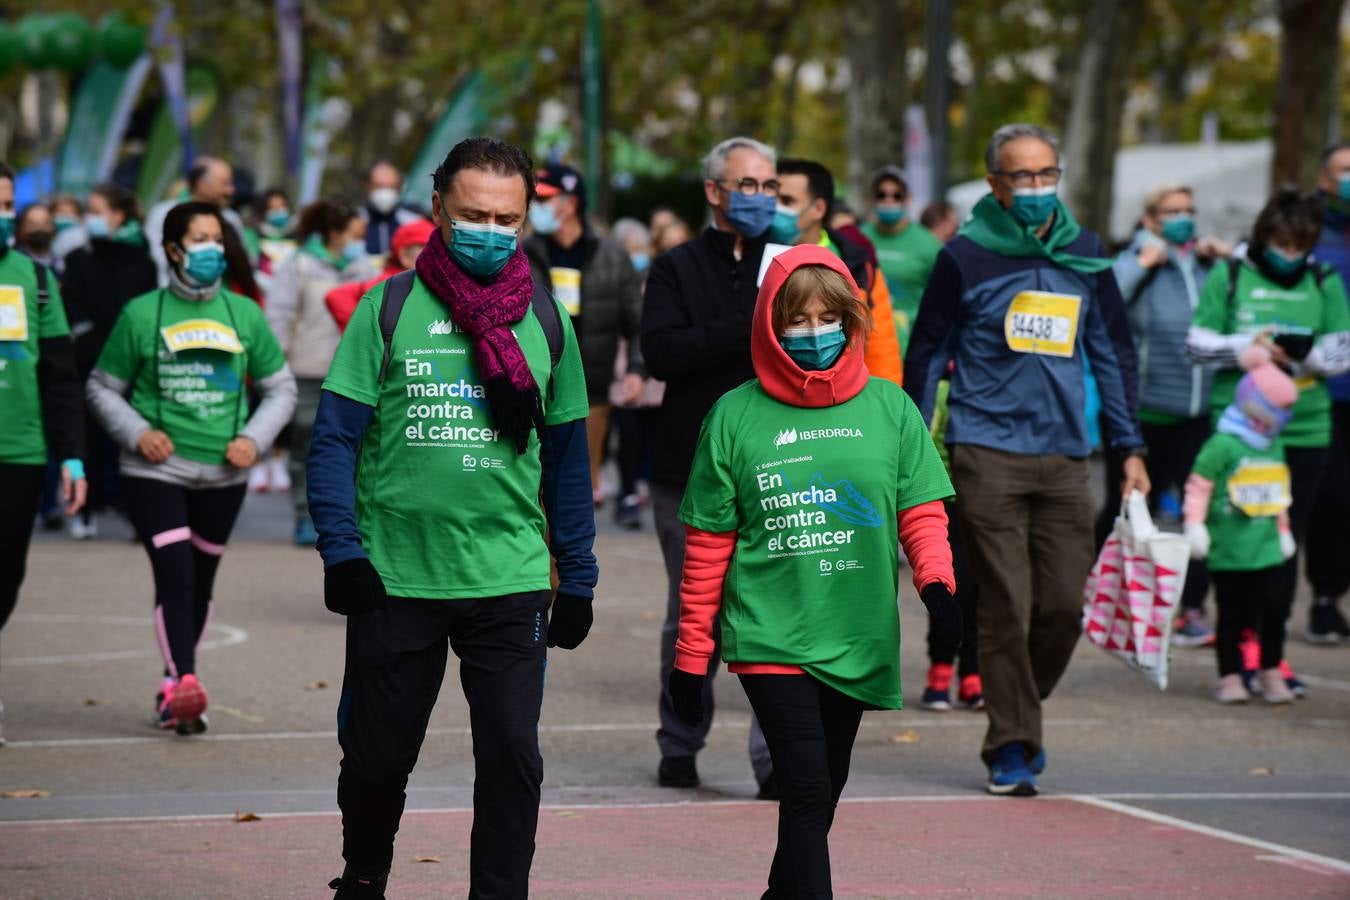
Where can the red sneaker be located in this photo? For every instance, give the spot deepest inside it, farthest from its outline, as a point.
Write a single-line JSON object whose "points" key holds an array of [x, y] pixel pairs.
{"points": [[186, 703], [971, 695], [937, 693]]}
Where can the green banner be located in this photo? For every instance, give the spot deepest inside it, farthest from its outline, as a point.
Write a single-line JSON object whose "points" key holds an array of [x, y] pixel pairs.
{"points": [[164, 151], [98, 119]]}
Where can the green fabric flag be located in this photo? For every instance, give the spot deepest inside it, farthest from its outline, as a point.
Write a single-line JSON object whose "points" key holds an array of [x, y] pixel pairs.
{"points": [[993, 228]]}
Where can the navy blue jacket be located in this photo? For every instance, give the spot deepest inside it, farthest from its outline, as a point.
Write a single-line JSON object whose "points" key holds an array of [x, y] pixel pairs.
{"points": [[1333, 248], [1018, 329]]}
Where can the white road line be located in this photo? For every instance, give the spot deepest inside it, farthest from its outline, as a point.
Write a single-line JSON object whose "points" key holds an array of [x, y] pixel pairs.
{"points": [[231, 636], [1333, 683], [1338, 866]]}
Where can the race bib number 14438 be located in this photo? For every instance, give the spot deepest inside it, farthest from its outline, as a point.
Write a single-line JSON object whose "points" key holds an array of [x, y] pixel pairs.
{"points": [[1042, 323]]}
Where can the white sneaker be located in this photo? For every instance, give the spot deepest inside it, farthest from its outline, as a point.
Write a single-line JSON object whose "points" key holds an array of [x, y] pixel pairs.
{"points": [[1231, 690], [257, 479], [276, 471], [80, 530], [1273, 687]]}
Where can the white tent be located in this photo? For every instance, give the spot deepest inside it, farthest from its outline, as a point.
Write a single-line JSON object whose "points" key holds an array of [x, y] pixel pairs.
{"points": [[1230, 180]]}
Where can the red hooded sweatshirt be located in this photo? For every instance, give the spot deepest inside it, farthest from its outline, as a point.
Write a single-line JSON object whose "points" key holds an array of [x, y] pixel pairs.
{"points": [[923, 528]]}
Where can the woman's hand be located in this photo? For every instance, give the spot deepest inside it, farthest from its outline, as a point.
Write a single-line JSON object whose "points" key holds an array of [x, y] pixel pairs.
{"points": [[155, 446], [1277, 353], [241, 452]]}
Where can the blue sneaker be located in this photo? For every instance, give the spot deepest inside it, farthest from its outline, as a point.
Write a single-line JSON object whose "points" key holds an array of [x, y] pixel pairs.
{"points": [[305, 535], [1009, 775], [1037, 763]]}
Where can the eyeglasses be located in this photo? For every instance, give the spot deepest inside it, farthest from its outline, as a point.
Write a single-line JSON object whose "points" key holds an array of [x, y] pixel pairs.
{"points": [[1027, 178], [750, 187], [887, 195]]}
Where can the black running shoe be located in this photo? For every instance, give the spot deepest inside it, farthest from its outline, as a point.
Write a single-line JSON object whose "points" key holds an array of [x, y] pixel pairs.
{"points": [[677, 772], [1326, 625], [352, 887]]}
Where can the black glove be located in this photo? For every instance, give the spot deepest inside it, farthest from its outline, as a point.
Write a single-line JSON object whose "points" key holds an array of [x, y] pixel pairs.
{"points": [[352, 587], [943, 614], [570, 621], [686, 695]]}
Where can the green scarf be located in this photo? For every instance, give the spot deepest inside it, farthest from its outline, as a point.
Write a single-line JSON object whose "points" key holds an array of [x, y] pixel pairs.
{"points": [[993, 228], [315, 247], [129, 233]]}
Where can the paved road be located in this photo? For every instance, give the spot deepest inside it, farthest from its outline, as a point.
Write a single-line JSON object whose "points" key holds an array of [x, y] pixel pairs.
{"points": [[1185, 778]]}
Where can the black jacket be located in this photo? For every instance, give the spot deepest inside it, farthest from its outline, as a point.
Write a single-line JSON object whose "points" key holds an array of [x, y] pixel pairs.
{"points": [[99, 279], [696, 337], [611, 305]]}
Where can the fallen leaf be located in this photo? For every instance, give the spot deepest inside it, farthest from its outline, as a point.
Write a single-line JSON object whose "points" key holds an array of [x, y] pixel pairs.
{"points": [[1262, 770], [90, 701], [905, 737], [427, 859], [316, 685], [25, 794], [246, 817], [568, 814]]}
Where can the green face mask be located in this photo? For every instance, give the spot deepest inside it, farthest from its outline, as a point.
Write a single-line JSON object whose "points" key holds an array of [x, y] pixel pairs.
{"points": [[1178, 229], [1032, 206], [6, 228], [481, 250]]}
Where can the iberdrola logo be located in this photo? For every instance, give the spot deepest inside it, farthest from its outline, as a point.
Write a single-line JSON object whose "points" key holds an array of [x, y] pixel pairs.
{"points": [[442, 326], [785, 437]]}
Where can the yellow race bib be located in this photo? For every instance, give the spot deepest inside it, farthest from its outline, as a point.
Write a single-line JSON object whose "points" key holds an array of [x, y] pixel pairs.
{"points": [[201, 334], [1260, 488], [567, 288], [13, 314], [1042, 323]]}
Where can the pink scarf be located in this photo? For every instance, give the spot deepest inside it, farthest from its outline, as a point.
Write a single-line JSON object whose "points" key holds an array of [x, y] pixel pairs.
{"points": [[486, 312]]}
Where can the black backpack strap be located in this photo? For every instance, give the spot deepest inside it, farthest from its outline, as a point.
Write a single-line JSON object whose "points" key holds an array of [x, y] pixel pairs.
{"points": [[546, 311], [44, 293], [396, 290], [1234, 269]]}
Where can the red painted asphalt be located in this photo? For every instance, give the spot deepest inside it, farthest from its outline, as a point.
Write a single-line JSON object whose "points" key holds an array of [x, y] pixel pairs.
{"points": [[981, 847]]}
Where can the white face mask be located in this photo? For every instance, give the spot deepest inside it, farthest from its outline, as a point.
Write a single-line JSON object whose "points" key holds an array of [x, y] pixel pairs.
{"points": [[383, 200], [808, 331]]}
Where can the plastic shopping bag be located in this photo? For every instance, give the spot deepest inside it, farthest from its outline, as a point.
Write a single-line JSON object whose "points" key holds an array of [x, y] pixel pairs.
{"points": [[1132, 595]]}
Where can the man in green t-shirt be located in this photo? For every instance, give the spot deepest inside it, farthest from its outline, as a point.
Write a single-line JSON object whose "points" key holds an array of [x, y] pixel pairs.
{"points": [[442, 425], [906, 250], [40, 401]]}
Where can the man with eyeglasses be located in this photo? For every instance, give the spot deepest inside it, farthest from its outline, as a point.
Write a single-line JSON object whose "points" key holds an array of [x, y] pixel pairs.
{"points": [[696, 338], [1019, 301], [905, 249]]}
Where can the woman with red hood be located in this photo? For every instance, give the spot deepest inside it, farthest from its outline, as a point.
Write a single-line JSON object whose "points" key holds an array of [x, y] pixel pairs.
{"points": [[803, 481]]}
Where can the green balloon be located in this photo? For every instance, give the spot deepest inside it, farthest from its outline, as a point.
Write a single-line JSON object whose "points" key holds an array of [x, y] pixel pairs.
{"points": [[70, 42], [121, 42], [9, 48], [32, 41]]}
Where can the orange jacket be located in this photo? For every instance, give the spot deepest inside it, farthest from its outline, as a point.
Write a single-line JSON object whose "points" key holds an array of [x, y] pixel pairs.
{"points": [[883, 346]]}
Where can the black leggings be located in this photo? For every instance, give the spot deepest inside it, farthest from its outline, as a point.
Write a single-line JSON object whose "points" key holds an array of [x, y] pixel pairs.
{"points": [[185, 531], [21, 488], [1305, 476], [637, 443], [810, 728], [1328, 540], [1250, 600], [967, 597]]}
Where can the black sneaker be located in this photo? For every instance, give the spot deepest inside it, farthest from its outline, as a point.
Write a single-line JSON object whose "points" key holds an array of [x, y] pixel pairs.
{"points": [[677, 772], [1326, 625], [352, 887], [627, 513], [768, 789]]}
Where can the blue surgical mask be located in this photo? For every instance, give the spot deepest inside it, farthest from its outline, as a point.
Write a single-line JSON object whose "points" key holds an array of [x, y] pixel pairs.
{"points": [[1343, 187], [1284, 264], [1032, 206], [641, 261], [97, 226], [6, 228], [543, 219], [890, 214], [814, 349], [481, 250], [205, 263], [353, 250], [278, 218], [64, 222], [1178, 229], [751, 216], [783, 229]]}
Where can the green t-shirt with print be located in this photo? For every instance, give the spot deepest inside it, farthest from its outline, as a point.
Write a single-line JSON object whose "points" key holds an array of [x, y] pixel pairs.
{"points": [[1251, 488], [812, 494], [906, 260], [186, 362], [23, 323], [1259, 304], [445, 505]]}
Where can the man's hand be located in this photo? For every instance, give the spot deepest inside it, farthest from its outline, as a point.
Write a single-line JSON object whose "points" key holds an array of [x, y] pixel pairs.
{"points": [[241, 452], [352, 587], [570, 621], [1152, 254], [686, 695], [943, 613], [1213, 248], [1136, 477], [630, 389], [155, 446]]}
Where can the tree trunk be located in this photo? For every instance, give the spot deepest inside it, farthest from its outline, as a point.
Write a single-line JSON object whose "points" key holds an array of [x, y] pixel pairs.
{"points": [[1092, 133], [1309, 50], [878, 91]]}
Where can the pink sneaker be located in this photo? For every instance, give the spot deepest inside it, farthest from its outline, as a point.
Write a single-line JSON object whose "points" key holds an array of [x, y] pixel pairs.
{"points": [[186, 703]]}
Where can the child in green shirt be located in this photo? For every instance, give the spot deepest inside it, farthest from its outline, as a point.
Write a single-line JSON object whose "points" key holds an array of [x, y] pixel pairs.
{"points": [[1236, 516]]}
